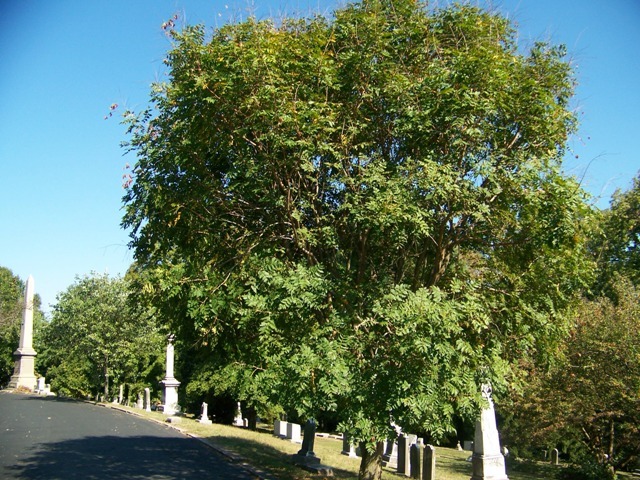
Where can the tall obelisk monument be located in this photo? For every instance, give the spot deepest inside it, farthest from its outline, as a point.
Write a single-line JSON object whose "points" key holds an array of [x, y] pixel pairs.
{"points": [[25, 355]]}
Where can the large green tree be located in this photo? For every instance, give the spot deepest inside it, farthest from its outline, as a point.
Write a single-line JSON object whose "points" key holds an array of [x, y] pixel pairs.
{"points": [[97, 339], [364, 214]]}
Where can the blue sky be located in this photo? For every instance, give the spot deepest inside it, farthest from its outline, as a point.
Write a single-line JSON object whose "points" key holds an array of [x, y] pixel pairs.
{"points": [[63, 63]]}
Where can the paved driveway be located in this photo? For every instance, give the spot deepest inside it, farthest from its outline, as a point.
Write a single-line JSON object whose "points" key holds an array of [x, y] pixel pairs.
{"points": [[49, 438]]}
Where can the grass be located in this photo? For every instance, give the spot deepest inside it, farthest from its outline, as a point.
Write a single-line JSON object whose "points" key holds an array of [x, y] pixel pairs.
{"points": [[267, 453]]}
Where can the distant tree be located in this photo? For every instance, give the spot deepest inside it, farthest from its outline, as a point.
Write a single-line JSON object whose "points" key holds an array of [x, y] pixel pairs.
{"points": [[365, 214], [588, 402], [95, 337], [618, 245]]}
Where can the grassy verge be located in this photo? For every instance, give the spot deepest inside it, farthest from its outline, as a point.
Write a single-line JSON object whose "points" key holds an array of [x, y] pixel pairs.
{"points": [[270, 454]]}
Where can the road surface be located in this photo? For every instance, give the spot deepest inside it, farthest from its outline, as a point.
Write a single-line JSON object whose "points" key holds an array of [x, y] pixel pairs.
{"points": [[50, 438]]}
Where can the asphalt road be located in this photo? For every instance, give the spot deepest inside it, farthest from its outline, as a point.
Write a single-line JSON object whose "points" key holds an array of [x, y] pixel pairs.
{"points": [[50, 438]]}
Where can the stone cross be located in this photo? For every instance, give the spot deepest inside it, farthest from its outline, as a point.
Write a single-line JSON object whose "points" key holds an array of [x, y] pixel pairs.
{"points": [[170, 383], [23, 372], [487, 459]]}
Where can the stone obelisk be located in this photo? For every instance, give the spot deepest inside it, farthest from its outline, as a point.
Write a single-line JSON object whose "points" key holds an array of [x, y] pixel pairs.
{"points": [[169, 382], [25, 355], [487, 459]]}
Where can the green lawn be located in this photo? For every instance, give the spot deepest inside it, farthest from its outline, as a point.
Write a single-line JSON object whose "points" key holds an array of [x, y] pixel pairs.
{"points": [[270, 454]]}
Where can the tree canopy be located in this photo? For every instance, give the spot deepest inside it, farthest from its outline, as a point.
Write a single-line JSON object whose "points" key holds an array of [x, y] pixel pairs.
{"points": [[364, 214], [95, 336]]}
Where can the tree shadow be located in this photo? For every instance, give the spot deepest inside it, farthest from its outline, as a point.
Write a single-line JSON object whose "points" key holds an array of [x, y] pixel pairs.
{"points": [[273, 461], [110, 457]]}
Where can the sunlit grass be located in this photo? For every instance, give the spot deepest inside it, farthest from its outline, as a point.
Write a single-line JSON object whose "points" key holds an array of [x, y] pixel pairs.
{"points": [[272, 455]]}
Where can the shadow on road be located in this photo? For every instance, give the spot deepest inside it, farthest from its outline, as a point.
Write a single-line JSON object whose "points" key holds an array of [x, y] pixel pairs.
{"points": [[113, 457]]}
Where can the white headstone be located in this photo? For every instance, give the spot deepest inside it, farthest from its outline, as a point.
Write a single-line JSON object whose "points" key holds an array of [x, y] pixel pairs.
{"points": [[147, 399], [237, 420], [280, 428], [204, 414], [487, 459], [23, 372], [294, 432]]}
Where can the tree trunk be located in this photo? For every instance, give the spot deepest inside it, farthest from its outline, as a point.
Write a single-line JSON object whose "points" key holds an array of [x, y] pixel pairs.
{"points": [[371, 464]]}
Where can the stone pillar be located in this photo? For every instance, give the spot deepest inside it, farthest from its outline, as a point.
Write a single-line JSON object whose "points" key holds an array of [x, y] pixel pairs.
{"points": [[120, 394], [487, 460], [147, 399], [25, 355], [555, 456], [429, 463], [170, 383]]}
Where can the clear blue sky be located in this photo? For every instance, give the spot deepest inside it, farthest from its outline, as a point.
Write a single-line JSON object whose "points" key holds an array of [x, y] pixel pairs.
{"points": [[63, 63]]}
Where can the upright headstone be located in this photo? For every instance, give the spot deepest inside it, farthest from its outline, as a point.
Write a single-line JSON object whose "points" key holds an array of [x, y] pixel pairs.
{"points": [[204, 414], [390, 456], [238, 421], [416, 454], [294, 432], [170, 384], [280, 428], [120, 394], [348, 448], [404, 461], [23, 371], [555, 457], [140, 402], [429, 463], [40, 385], [306, 454], [147, 399], [487, 459]]}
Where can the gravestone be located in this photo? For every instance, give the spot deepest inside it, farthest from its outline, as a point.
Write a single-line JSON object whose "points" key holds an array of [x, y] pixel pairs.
{"points": [[555, 457], [305, 457], [238, 421], [293, 432], [404, 461], [170, 397], [390, 457], [458, 446], [348, 448], [120, 394], [147, 399], [40, 385], [204, 414], [416, 455], [487, 459], [23, 370], [280, 428], [139, 403], [429, 463]]}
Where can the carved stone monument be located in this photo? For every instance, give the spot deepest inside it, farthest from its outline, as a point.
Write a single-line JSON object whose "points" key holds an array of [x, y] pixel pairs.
{"points": [[204, 414], [25, 355], [147, 399], [487, 459], [170, 384]]}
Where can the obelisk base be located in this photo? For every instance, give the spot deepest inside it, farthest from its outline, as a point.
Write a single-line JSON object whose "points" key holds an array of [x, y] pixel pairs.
{"points": [[488, 467], [23, 371], [170, 395]]}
